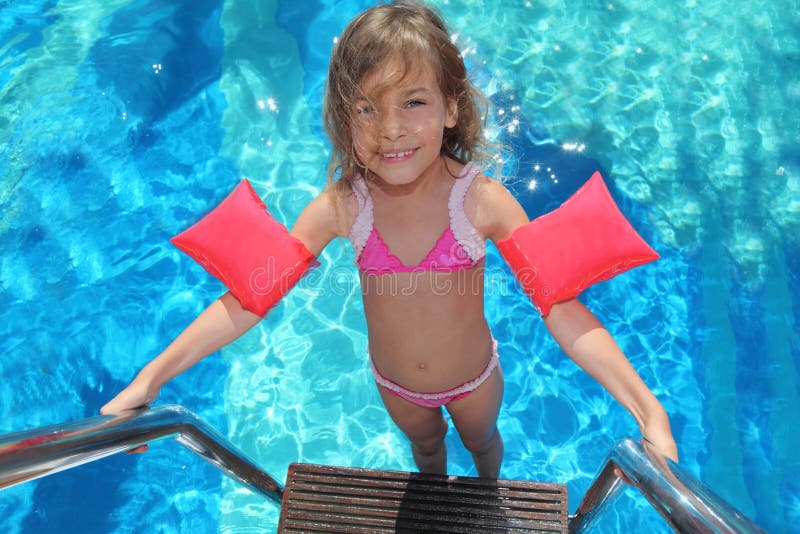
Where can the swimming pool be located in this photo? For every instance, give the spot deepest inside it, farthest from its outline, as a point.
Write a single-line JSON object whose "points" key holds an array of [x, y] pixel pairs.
{"points": [[122, 121]]}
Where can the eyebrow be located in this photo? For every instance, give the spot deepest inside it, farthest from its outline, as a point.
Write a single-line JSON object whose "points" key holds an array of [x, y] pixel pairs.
{"points": [[415, 90]]}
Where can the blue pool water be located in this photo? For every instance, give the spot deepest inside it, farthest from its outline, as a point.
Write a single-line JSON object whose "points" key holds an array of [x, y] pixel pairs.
{"points": [[123, 121]]}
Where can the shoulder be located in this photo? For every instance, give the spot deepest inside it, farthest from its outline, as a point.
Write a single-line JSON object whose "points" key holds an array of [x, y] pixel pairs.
{"points": [[330, 214], [494, 211]]}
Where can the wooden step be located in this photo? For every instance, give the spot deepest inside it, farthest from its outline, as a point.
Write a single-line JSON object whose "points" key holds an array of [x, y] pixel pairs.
{"points": [[320, 498]]}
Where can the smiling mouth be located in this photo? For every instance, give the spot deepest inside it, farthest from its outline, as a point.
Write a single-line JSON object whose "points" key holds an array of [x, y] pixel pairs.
{"points": [[398, 155]]}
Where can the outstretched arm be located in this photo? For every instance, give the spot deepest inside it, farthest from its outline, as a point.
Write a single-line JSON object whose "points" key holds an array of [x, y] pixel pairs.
{"points": [[578, 331], [222, 322], [588, 343]]}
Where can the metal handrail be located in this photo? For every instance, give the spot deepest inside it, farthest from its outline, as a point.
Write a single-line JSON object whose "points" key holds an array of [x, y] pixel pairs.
{"points": [[683, 501], [42, 451]]}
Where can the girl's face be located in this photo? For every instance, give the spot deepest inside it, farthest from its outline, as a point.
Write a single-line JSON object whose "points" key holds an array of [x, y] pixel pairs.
{"points": [[398, 135]]}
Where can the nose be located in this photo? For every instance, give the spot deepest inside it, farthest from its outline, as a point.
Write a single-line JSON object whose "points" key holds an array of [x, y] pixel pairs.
{"points": [[392, 124]]}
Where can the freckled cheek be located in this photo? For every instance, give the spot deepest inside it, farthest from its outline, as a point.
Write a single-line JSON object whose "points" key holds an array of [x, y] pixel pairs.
{"points": [[427, 127]]}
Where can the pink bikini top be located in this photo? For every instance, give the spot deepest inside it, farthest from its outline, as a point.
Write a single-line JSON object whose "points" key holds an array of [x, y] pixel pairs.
{"points": [[459, 247]]}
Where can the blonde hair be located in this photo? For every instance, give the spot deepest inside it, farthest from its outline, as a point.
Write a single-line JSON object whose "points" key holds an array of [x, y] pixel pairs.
{"points": [[405, 30]]}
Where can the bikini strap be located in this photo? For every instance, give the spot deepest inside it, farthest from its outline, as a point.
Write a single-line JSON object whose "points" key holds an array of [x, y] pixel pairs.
{"points": [[362, 226], [462, 228]]}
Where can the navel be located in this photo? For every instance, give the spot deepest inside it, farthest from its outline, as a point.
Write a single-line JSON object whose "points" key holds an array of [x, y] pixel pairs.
{"points": [[421, 367]]}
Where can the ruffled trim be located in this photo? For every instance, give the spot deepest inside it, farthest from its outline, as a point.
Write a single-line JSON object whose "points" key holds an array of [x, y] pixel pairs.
{"points": [[462, 228], [466, 387], [362, 226]]}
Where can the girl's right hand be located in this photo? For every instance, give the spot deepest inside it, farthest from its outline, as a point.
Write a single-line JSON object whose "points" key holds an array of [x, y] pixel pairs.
{"points": [[136, 395]]}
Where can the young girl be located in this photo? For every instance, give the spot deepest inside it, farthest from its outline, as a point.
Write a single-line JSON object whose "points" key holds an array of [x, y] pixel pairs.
{"points": [[405, 123]]}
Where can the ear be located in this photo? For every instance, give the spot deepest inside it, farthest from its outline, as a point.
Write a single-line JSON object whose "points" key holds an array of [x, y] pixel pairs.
{"points": [[452, 113]]}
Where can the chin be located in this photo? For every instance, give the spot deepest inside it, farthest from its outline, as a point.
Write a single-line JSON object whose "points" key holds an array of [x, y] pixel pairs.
{"points": [[400, 176], [394, 179]]}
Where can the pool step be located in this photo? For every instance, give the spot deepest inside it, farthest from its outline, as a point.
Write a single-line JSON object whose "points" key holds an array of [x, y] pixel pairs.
{"points": [[320, 498]]}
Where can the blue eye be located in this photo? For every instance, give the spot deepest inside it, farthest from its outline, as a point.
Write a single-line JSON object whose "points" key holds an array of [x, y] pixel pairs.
{"points": [[415, 103], [365, 110]]}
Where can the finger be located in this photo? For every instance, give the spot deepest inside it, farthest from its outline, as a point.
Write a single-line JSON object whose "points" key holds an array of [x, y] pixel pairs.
{"points": [[137, 450], [622, 476]]}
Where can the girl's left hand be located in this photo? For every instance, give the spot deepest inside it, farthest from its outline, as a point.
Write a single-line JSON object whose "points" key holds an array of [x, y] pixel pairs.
{"points": [[661, 440]]}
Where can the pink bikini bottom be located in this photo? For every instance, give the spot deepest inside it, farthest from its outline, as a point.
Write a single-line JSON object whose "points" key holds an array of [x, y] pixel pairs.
{"points": [[435, 400]]}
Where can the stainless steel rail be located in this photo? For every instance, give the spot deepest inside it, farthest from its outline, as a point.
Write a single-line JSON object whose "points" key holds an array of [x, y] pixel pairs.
{"points": [[682, 500], [43, 451], [685, 503]]}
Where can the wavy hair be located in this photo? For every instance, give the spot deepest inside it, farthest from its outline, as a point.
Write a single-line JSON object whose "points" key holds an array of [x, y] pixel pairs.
{"points": [[407, 31]]}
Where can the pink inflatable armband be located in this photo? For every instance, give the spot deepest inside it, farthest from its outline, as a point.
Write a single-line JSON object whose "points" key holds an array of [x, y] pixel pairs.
{"points": [[584, 241], [244, 247]]}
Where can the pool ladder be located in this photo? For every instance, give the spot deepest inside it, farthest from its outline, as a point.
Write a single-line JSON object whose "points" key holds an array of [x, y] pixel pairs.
{"points": [[685, 503]]}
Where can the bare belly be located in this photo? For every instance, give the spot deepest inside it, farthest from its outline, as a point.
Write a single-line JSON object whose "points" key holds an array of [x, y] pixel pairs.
{"points": [[428, 339]]}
